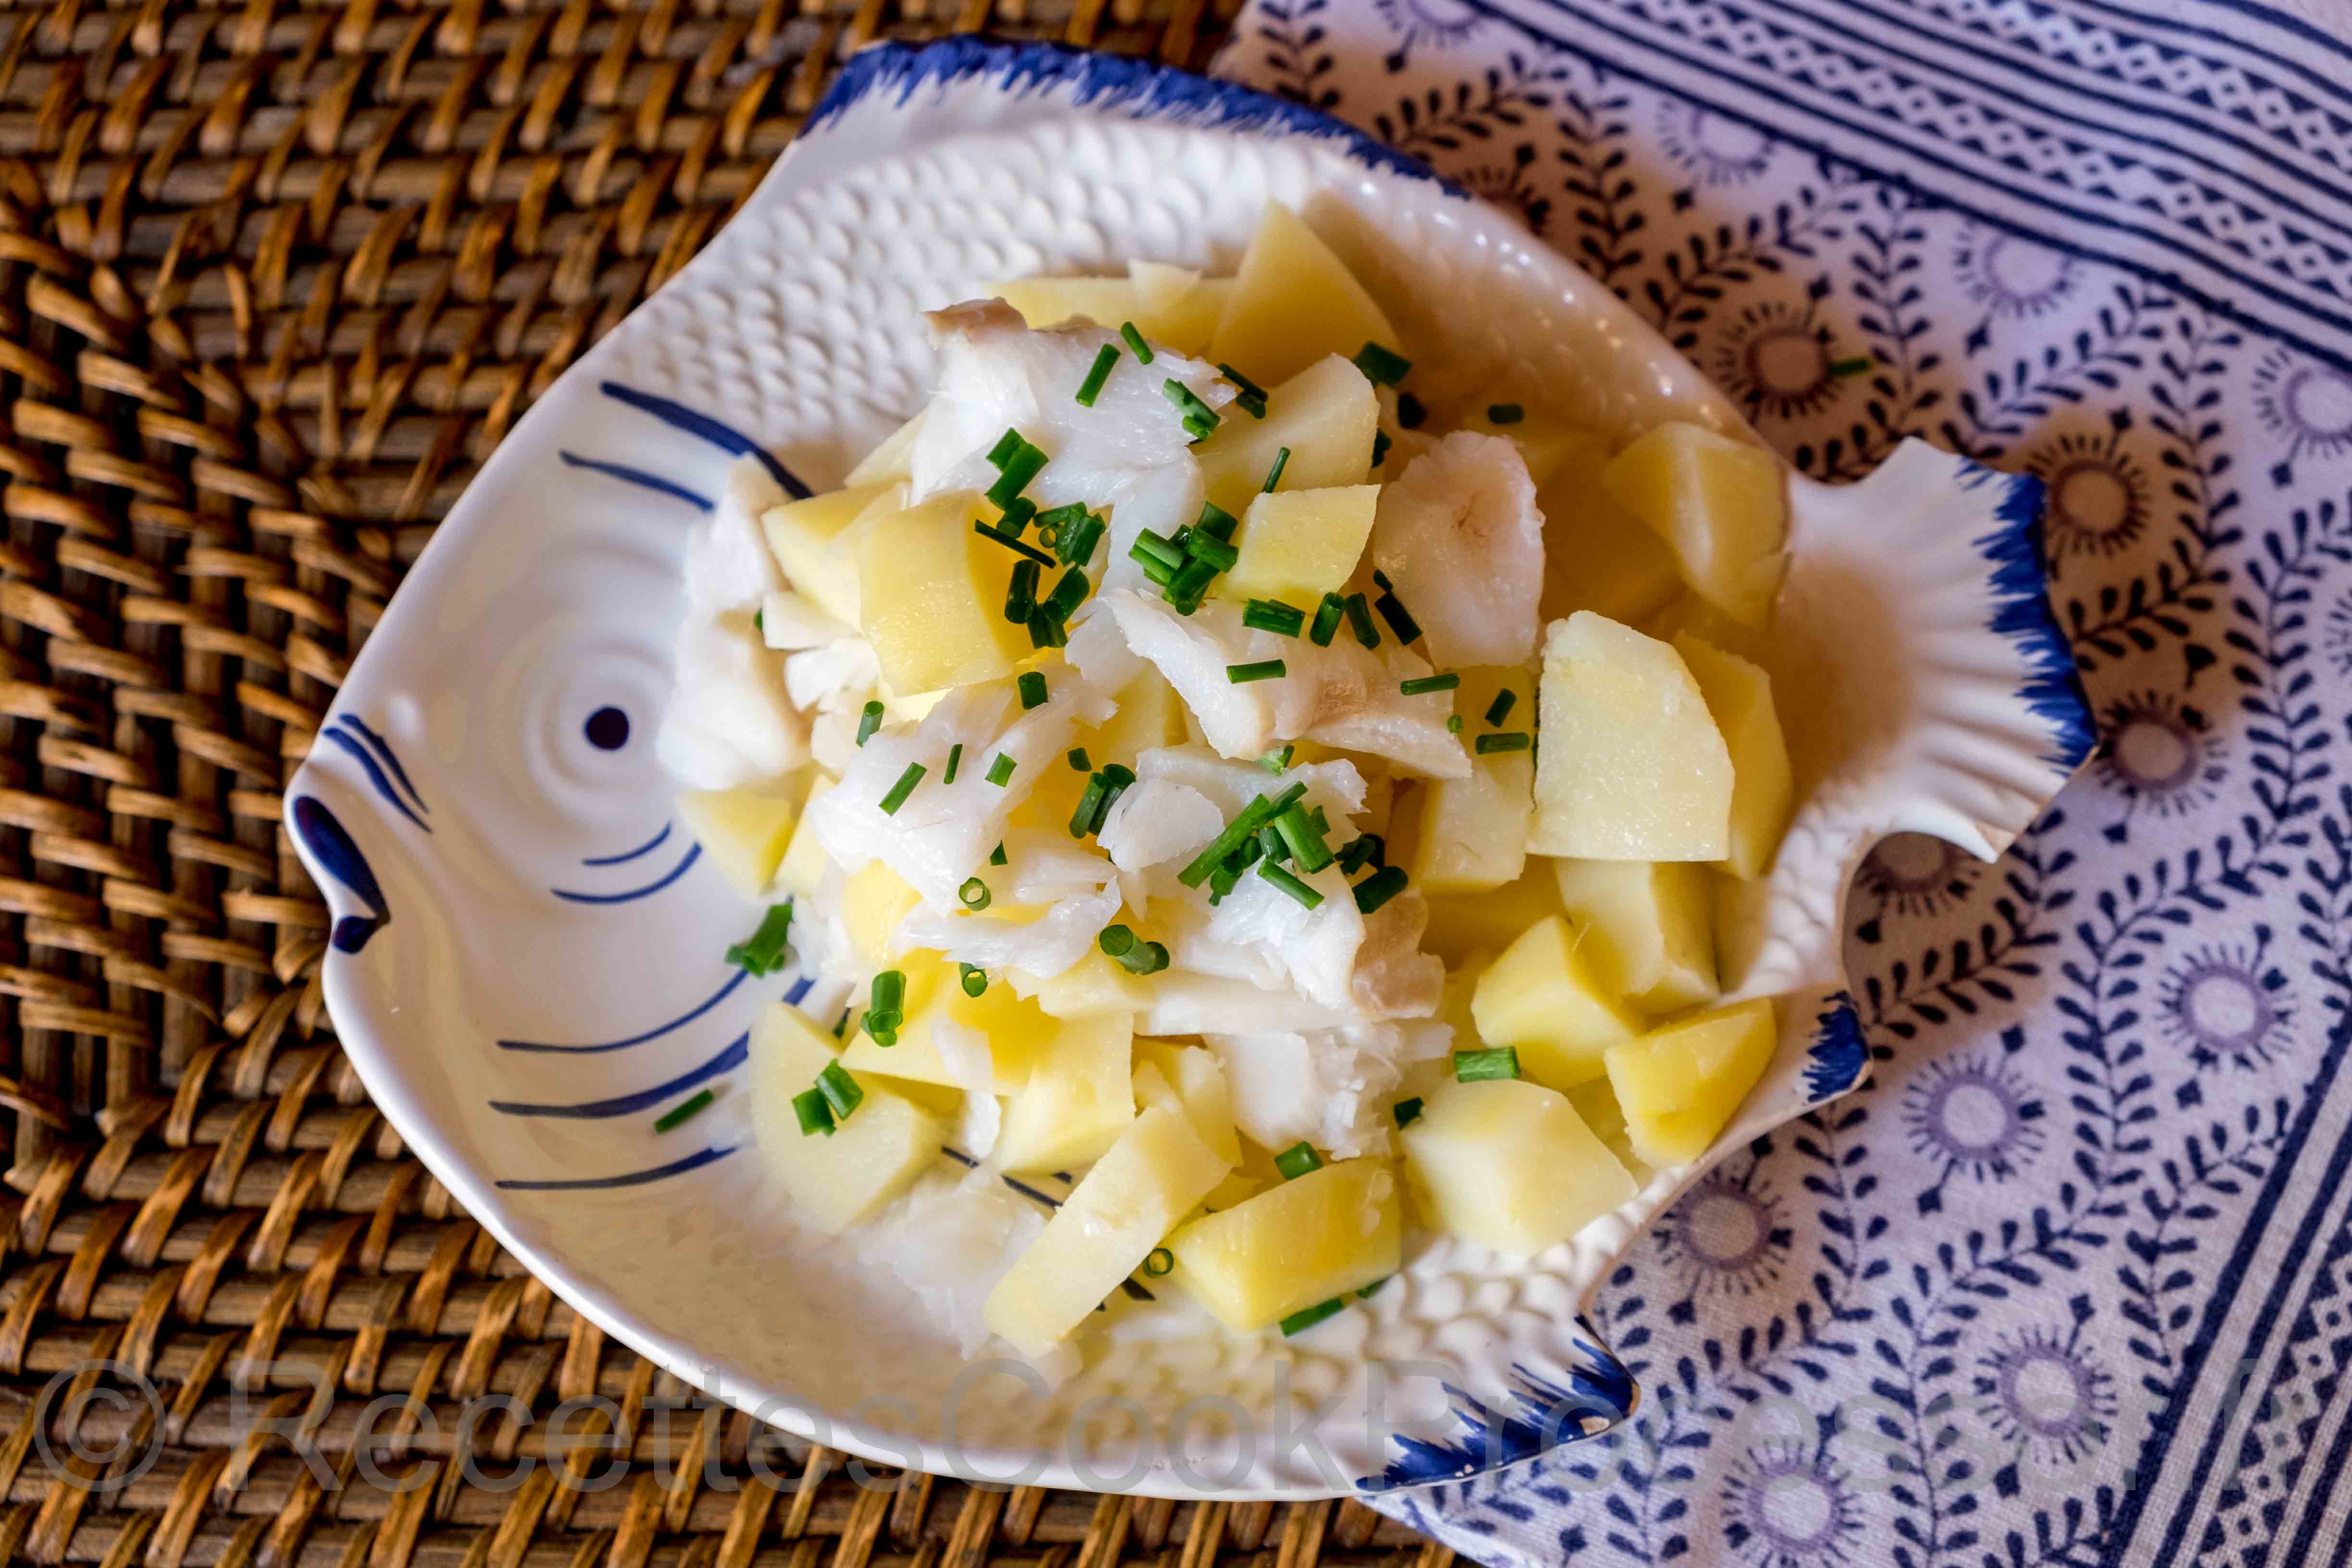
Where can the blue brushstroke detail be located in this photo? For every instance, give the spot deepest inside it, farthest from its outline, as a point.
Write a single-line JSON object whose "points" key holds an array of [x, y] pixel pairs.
{"points": [[724, 436], [1148, 91], [801, 988], [390, 758], [627, 475], [693, 1161], [1838, 1056], [655, 1033], [334, 849], [375, 775], [728, 1061], [1540, 1416], [647, 891], [2054, 689], [647, 847]]}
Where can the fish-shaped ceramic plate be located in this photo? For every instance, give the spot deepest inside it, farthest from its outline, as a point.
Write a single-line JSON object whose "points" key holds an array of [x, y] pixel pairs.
{"points": [[526, 964]]}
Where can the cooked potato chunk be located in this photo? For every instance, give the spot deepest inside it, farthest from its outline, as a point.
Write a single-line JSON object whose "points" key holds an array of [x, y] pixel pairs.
{"points": [[1507, 1164], [744, 831], [1292, 302], [1079, 1098], [1649, 928], [986, 1043], [807, 539], [931, 597], [1193, 1077], [1632, 766], [1170, 305], [1332, 1230], [1596, 555], [1543, 998], [1682, 1084], [1721, 504], [1763, 790], [834, 1181], [1325, 414], [874, 900], [1470, 834], [1298, 545]]}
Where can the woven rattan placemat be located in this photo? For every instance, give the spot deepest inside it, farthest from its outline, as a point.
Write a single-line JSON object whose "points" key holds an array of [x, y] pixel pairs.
{"points": [[274, 279]]}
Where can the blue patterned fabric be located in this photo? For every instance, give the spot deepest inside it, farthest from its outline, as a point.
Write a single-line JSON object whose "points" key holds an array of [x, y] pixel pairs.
{"points": [[2071, 1283]]}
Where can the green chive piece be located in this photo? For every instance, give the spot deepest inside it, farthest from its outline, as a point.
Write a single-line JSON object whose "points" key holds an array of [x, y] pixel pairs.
{"points": [[1508, 740], [975, 979], [888, 991], [973, 894], [1014, 474], [869, 719], [763, 953], [1307, 1317], [996, 856], [1020, 595], [1150, 547], [1425, 683], [955, 759], [1044, 631], [1090, 803], [1500, 708], [1406, 1111], [1372, 1290], [1453, 723], [1198, 417], [1239, 832], [1068, 595], [1364, 849], [1379, 888], [1135, 341], [1470, 1066], [759, 621], [1091, 388], [1158, 1262], [903, 788], [1247, 387], [1116, 942], [1274, 474], [1006, 445], [1504, 412], [1860, 364], [1077, 542], [1298, 1160], [1216, 520], [685, 1111], [1409, 412], [999, 771], [1264, 670], [1032, 686], [1304, 840], [1146, 958], [1272, 845], [840, 1090], [1203, 545], [1392, 611], [1297, 890], [1078, 761], [1359, 621], [1273, 615], [1382, 366], [1191, 580], [1016, 517], [1274, 762], [815, 1115], [1379, 448], [1327, 620], [1028, 550]]}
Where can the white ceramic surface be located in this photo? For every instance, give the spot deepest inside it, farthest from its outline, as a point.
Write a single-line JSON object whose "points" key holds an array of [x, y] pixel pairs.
{"points": [[527, 968]]}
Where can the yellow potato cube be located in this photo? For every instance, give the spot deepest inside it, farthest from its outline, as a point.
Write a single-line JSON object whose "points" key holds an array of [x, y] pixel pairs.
{"points": [[1763, 790], [1596, 1104], [931, 597], [1089, 988], [1292, 302], [1543, 998], [809, 540], [837, 1180], [1632, 766], [987, 1043], [1649, 928], [1079, 1098], [1545, 442], [1596, 555], [1170, 305], [1687, 612], [1470, 834], [744, 831], [1461, 925], [1330, 1231], [1327, 415], [1298, 545], [874, 900], [1721, 504], [1146, 1182], [1680, 1085], [1150, 715], [1194, 1076], [1507, 1163], [801, 870]]}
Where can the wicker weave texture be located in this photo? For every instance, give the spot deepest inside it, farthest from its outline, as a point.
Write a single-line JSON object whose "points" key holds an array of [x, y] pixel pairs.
{"points": [[274, 280]]}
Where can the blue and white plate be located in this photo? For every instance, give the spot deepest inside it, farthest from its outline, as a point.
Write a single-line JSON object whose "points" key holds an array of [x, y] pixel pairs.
{"points": [[526, 957]]}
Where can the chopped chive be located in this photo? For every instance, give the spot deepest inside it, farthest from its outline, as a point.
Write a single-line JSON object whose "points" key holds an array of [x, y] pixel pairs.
{"points": [[1274, 474], [841, 1024], [1248, 388], [903, 788], [974, 894], [1298, 1160], [1372, 1290], [1191, 580], [1500, 708], [1044, 631], [1364, 849], [1020, 595], [1032, 686], [1062, 516], [763, 953], [1379, 888], [1508, 740], [1289, 884], [1077, 542], [1273, 615], [1115, 940], [1381, 444], [1504, 412], [1158, 1261], [1409, 412], [1145, 958], [1382, 366], [1307, 1317], [1264, 670], [955, 758], [1067, 594], [1392, 611], [1006, 445], [1406, 1111], [1237, 833], [683, 1113], [841, 1092], [1860, 364], [1198, 417], [1359, 621], [1453, 723], [815, 1115], [1274, 762], [1216, 520], [1150, 549], [1015, 473], [1327, 620], [869, 719], [1090, 802], [1272, 845], [975, 979], [1135, 341], [887, 993], [1015, 517], [1501, 1061], [1322, 823], [1422, 684], [1380, 581], [1010, 543], [1091, 388], [760, 620], [1203, 545], [999, 771], [1304, 840], [996, 856], [1078, 761]]}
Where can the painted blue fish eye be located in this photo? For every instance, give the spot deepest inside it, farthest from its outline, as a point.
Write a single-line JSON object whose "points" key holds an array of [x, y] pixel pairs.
{"points": [[608, 729]]}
